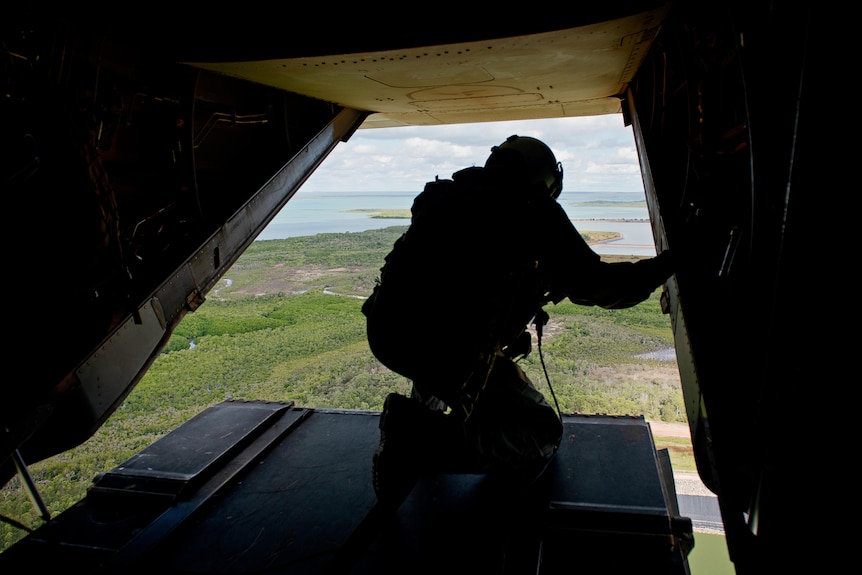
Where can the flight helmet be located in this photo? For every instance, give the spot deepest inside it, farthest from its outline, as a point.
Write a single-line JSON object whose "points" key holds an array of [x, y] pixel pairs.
{"points": [[531, 159]]}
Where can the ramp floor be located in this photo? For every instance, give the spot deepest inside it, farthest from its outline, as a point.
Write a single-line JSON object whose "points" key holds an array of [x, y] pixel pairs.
{"points": [[256, 487]]}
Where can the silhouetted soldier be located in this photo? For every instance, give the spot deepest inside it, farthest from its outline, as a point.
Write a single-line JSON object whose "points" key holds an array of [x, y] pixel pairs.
{"points": [[485, 251]]}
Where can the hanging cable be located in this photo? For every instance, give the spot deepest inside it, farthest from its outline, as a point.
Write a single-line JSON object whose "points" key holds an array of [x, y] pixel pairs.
{"points": [[539, 321]]}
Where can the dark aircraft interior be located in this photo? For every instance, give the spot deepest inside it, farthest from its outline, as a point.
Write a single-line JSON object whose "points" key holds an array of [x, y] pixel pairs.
{"points": [[142, 154]]}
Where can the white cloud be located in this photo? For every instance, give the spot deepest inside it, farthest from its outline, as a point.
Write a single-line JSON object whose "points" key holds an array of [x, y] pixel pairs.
{"points": [[597, 152]]}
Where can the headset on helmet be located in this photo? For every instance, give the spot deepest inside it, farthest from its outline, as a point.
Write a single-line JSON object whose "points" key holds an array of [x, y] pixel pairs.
{"points": [[534, 157]]}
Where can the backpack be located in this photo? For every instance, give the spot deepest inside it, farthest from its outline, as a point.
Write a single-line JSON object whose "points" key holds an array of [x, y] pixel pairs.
{"points": [[462, 257]]}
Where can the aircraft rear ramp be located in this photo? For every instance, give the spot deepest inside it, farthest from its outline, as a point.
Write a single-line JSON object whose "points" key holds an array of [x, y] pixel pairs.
{"points": [[259, 487]]}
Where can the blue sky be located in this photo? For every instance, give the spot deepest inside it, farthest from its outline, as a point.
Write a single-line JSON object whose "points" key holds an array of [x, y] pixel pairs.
{"points": [[597, 152]]}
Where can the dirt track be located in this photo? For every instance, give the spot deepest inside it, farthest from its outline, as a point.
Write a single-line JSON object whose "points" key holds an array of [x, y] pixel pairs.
{"points": [[662, 429]]}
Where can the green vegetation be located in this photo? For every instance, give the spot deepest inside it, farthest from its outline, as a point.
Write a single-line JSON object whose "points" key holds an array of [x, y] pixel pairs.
{"points": [[285, 324]]}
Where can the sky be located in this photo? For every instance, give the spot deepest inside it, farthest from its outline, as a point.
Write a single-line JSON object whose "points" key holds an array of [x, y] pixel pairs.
{"points": [[597, 152]]}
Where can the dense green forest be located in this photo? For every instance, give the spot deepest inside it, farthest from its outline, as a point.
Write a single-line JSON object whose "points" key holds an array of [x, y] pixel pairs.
{"points": [[284, 324]]}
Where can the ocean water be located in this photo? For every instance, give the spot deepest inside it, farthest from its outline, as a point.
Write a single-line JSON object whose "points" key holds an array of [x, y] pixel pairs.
{"points": [[310, 213]]}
